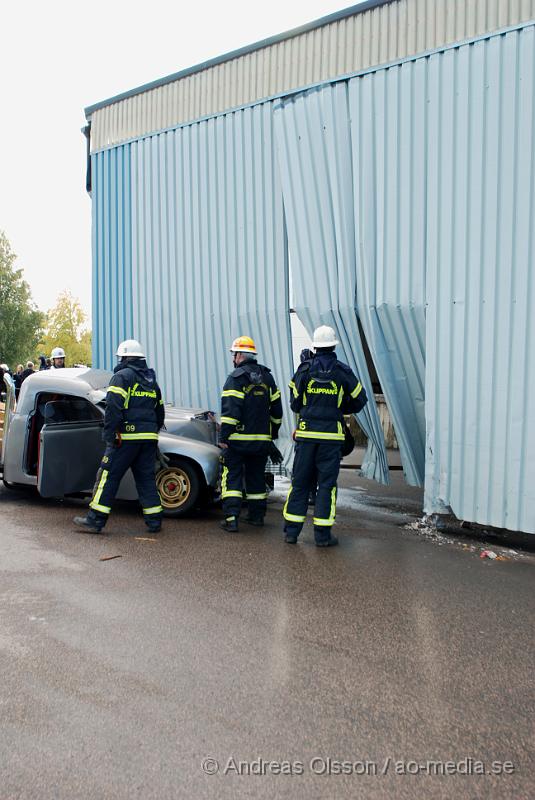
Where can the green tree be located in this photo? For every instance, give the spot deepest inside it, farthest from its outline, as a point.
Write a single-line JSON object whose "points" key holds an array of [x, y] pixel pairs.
{"points": [[64, 327], [20, 321]]}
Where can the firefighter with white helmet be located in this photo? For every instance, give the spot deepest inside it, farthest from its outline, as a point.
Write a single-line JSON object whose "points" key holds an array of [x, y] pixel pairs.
{"points": [[57, 356], [134, 415], [251, 415], [322, 390]]}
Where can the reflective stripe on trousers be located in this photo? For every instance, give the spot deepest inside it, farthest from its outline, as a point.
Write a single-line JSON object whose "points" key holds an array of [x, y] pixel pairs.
{"points": [[140, 457], [315, 464], [241, 467]]}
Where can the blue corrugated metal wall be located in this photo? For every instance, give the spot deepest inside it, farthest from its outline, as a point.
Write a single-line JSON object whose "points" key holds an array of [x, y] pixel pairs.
{"points": [[353, 174], [431, 241], [388, 171], [206, 259], [315, 159], [112, 253], [480, 207]]}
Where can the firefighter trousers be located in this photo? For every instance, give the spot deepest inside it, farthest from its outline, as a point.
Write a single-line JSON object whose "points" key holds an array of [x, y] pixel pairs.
{"points": [[314, 461], [244, 463], [140, 457]]}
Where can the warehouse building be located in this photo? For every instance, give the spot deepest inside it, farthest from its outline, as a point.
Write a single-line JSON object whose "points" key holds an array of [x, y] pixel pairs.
{"points": [[380, 162]]}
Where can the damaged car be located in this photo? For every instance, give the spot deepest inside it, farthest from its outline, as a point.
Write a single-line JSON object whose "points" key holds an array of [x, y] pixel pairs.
{"points": [[52, 440]]}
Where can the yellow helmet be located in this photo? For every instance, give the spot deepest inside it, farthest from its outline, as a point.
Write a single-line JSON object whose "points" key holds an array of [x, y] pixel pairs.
{"points": [[243, 344]]}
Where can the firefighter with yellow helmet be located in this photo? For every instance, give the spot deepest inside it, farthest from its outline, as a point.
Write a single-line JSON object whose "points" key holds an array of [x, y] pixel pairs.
{"points": [[251, 415]]}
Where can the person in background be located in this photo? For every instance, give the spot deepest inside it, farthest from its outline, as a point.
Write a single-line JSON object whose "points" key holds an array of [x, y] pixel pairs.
{"points": [[42, 363], [17, 379], [3, 370], [27, 372], [58, 358]]}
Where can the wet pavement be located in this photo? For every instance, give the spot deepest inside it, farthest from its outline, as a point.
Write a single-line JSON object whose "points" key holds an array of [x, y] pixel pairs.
{"points": [[361, 670]]}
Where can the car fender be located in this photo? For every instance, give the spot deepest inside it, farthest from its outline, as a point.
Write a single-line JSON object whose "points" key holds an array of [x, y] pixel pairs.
{"points": [[204, 454]]}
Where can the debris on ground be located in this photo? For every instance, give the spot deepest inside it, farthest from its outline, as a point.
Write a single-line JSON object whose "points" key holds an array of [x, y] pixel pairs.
{"points": [[144, 539], [109, 558], [426, 527]]}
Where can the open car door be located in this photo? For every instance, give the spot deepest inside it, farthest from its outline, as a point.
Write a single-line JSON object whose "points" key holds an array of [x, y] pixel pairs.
{"points": [[69, 457]]}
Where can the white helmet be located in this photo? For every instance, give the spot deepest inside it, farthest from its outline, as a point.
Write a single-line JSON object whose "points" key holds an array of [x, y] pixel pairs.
{"points": [[130, 347], [324, 337], [57, 352]]}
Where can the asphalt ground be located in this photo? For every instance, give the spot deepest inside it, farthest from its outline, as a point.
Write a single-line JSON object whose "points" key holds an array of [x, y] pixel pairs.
{"points": [[392, 655]]}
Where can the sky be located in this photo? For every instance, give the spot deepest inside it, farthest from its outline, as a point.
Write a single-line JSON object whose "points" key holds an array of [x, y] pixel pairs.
{"points": [[60, 56]]}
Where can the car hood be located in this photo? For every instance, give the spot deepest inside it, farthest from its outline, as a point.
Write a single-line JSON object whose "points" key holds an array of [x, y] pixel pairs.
{"points": [[193, 423]]}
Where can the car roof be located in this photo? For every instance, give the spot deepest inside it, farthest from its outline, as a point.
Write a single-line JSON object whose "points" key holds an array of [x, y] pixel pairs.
{"points": [[93, 378]]}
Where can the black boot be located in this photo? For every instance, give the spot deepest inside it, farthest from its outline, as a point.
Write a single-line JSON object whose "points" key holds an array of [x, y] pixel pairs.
{"points": [[230, 524], [258, 522], [291, 533], [88, 525], [155, 528], [332, 541]]}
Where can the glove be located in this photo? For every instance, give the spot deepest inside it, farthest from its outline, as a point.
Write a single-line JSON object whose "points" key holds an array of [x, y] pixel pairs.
{"points": [[275, 454], [161, 459]]}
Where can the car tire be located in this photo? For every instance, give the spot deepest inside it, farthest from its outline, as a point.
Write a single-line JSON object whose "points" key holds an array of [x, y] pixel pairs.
{"points": [[179, 487]]}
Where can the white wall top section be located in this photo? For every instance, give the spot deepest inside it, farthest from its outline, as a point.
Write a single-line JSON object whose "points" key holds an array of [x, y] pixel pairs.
{"points": [[364, 39]]}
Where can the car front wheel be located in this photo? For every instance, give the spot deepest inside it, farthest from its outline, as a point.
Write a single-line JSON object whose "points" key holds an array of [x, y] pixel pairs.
{"points": [[179, 488]]}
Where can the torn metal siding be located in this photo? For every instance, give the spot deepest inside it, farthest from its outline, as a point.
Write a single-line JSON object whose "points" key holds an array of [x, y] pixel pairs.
{"points": [[315, 159], [207, 254], [345, 230], [357, 249], [429, 167], [389, 172], [364, 39]]}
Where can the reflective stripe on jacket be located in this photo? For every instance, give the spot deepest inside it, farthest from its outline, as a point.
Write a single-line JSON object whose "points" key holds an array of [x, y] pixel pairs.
{"points": [[251, 407], [321, 392], [134, 405]]}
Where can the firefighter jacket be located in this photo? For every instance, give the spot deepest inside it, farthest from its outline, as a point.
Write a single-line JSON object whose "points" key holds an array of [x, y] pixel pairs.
{"points": [[251, 408], [322, 390], [134, 405]]}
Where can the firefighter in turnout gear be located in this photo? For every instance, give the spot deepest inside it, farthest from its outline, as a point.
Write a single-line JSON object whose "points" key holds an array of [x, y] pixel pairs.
{"points": [[322, 390], [251, 415], [134, 415]]}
